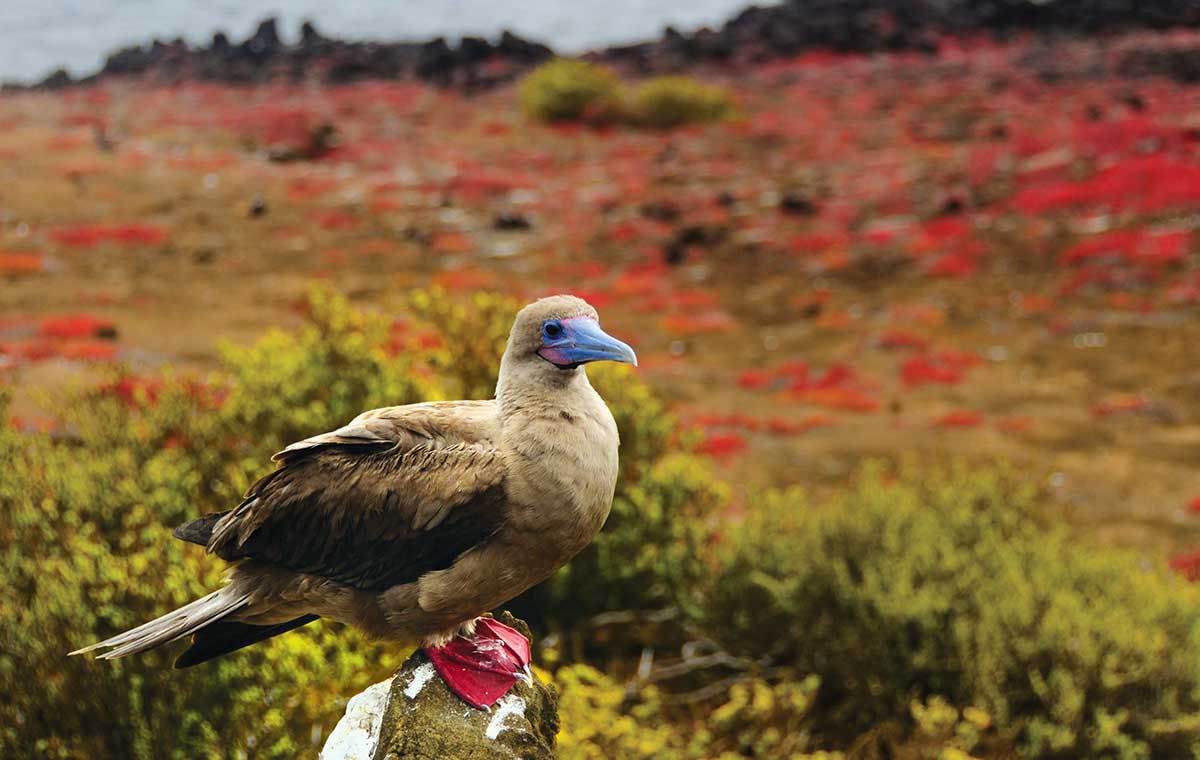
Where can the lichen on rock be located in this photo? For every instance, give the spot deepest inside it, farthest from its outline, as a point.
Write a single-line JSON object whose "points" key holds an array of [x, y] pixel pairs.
{"points": [[357, 734], [421, 719]]}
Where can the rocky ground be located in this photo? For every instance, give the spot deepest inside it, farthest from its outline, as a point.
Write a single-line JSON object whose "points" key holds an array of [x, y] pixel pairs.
{"points": [[987, 250]]}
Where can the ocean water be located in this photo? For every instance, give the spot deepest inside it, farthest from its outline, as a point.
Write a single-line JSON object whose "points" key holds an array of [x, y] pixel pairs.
{"points": [[38, 36]]}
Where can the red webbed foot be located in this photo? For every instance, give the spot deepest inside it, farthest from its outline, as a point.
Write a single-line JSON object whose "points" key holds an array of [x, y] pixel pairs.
{"points": [[482, 668]]}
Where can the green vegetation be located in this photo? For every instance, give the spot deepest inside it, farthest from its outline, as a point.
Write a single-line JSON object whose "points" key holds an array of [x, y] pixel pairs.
{"points": [[665, 102], [944, 585], [923, 614], [569, 90], [574, 90]]}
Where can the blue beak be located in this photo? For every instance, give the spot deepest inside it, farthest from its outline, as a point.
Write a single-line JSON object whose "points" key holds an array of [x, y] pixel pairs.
{"points": [[583, 341]]}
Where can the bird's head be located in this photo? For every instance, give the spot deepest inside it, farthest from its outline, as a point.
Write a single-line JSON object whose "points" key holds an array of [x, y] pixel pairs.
{"points": [[562, 333]]}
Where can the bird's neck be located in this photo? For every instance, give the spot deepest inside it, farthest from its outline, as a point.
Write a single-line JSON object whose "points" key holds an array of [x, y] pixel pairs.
{"points": [[560, 443], [533, 390]]}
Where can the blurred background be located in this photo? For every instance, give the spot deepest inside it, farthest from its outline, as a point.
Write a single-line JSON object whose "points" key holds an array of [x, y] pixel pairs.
{"points": [[909, 469]]}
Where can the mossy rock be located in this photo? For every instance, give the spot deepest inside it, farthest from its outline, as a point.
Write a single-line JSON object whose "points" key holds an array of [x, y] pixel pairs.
{"points": [[423, 720]]}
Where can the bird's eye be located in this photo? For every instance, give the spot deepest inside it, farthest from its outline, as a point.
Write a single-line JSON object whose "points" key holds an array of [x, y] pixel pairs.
{"points": [[552, 329]]}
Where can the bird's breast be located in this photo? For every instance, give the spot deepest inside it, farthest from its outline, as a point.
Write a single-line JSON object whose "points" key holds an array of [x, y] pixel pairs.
{"points": [[562, 477]]}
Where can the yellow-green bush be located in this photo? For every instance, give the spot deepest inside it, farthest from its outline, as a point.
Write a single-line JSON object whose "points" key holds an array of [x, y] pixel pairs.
{"points": [[602, 719], [85, 551], [567, 89], [573, 90], [473, 333], [599, 721], [944, 584], [676, 100]]}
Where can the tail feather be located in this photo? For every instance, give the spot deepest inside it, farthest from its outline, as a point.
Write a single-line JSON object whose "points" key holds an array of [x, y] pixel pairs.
{"points": [[173, 625], [227, 636]]}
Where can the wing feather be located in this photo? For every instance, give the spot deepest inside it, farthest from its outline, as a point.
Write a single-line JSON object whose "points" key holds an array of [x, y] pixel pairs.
{"points": [[378, 508]]}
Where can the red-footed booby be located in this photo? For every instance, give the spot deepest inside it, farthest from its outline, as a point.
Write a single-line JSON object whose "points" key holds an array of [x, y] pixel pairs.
{"points": [[412, 521]]}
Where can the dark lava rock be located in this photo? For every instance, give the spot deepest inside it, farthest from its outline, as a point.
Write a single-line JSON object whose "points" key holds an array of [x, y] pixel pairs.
{"points": [[688, 236], [321, 140], [309, 36], [56, 81], [511, 220], [661, 210], [953, 206], [864, 26], [796, 203], [265, 40], [755, 34], [1180, 64], [258, 207], [514, 48], [264, 56]]}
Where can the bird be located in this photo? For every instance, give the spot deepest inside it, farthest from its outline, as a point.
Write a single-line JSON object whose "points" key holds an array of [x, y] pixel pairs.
{"points": [[411, 522]]}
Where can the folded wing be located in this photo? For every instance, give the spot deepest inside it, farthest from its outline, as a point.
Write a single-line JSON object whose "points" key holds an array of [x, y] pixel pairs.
{"points": [[375, 504]]}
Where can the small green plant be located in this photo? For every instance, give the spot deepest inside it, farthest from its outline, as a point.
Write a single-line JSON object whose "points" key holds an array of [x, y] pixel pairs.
{"points": [[672, 101], [568, 89]]}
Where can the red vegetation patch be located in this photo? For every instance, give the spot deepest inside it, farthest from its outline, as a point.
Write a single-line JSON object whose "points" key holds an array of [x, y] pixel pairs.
{"points": [[20, 263], [1131, 247], [786, 427], [960, 419], [848, 399], [1187, 565], [76, 326], [337, 220], [902, 340], [754, 379], [941, 368], [87, 235], [1147, 184], [1129, 404], [134, 390], [722, 445]]}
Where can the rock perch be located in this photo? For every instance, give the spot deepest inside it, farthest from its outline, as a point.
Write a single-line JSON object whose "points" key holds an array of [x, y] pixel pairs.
{"points": [[413, 716]]}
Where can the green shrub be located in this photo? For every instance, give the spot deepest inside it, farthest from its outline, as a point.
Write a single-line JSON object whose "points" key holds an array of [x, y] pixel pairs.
{"points": [[600, 722], [567, 89], [601, 719], [473, 335], [85, 551], [945, 585], [672, 101]]}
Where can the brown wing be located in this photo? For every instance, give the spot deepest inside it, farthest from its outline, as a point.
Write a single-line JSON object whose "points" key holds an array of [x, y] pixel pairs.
{"points": [[436, 423], [375, 512]]}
